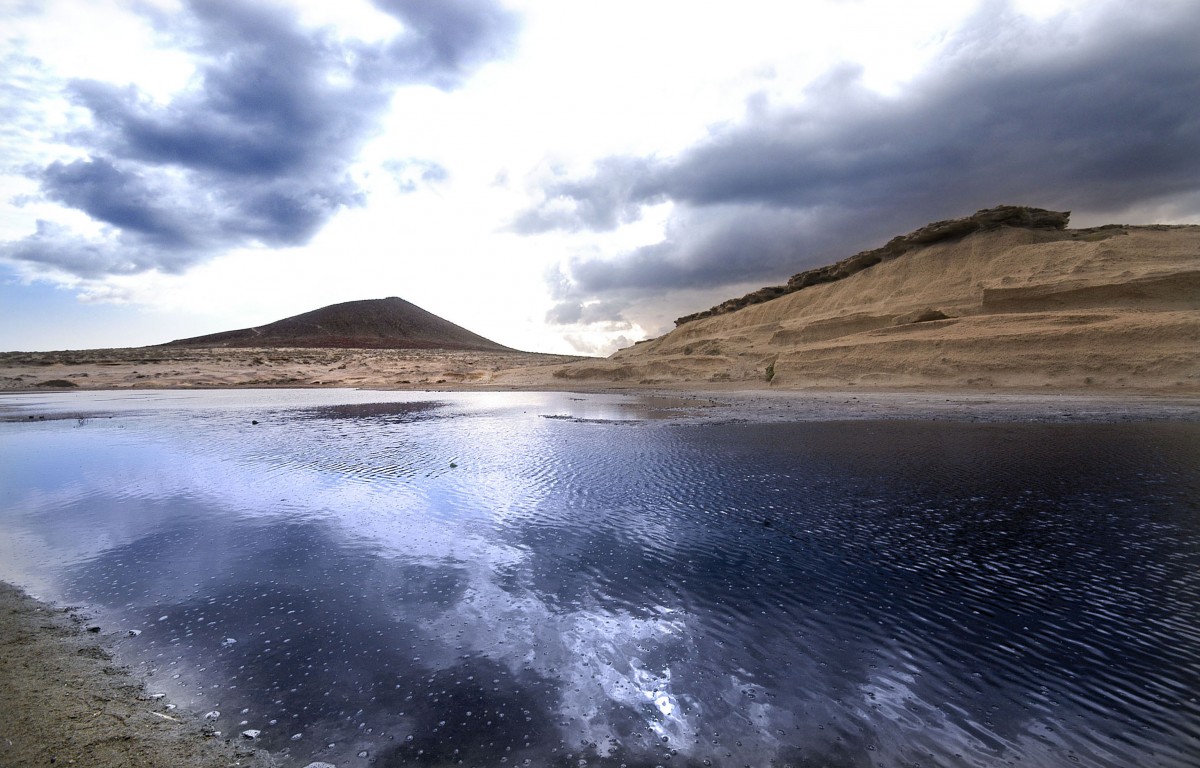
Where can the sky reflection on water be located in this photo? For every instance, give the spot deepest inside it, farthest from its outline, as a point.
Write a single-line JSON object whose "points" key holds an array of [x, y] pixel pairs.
{"points": [[434, 578]]}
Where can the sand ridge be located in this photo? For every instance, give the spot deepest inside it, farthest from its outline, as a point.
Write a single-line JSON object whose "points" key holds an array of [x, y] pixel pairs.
{"points": [[1108, 310]]}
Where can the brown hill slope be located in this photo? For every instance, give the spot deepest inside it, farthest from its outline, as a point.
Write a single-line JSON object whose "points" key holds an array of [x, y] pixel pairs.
{"points": [[1006, 298], [390, 323]]}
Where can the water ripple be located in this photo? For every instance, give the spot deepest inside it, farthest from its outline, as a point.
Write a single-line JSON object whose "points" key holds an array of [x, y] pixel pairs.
{"points": [[445, 579]]}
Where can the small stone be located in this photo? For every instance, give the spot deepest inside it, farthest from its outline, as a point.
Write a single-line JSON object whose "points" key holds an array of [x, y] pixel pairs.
{"points": [[93, 628], [212, 715], [320, 765], [251, 733], [134, 632]]}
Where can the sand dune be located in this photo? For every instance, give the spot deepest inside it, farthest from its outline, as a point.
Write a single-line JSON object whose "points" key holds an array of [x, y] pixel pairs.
{"points": [[1112, 308]]}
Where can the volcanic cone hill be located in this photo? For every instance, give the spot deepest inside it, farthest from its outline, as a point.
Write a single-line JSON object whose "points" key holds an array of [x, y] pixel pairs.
{"points": [[390, 323], [1008, 297]]}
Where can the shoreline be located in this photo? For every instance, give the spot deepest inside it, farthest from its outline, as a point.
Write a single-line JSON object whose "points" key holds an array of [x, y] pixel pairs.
{"points": [[138, 369], [740, 405], [781, 406], [68, 703]]}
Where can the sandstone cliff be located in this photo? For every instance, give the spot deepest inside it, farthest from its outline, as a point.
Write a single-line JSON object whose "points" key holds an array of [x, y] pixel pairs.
{"points": [[1008, 297]]}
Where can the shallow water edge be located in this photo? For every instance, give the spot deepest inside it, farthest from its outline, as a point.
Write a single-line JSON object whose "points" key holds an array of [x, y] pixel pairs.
{"points": [[711, 405], [629, 579]]}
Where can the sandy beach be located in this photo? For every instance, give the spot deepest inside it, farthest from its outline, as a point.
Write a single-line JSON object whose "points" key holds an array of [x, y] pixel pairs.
{"points": [[67, 703]]}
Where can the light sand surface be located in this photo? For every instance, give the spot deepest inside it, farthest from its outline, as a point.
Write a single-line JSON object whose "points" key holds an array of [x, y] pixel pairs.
{"points": [[183, 367], [64, 702], [1110, 310]]}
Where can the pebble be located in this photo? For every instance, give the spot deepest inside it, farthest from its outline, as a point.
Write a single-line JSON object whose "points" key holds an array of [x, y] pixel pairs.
{"points": [[251, 733], [320, 765]]}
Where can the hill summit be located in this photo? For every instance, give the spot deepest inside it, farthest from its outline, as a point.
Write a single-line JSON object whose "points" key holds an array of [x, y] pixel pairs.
{"points": [[390, 323]]}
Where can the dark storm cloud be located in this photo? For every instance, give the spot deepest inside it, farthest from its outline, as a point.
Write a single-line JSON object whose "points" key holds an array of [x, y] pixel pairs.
{"points": [[114, 197], [1098, 119], [447, 39], [570, 312], [259, 150]]}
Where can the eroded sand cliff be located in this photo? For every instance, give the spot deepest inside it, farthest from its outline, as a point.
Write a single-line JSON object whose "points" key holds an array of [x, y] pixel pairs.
{"points": [[1020, 304]]}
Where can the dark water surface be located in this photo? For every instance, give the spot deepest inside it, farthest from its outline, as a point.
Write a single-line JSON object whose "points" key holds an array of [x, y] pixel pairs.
{"points": [[457, 578]]}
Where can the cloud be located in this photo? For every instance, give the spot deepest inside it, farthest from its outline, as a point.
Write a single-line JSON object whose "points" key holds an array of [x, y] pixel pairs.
{"points": [[413, 173], [258, 150], [57, 247], [572, 312], [445, 41], [611, 197], [1093, 113]]}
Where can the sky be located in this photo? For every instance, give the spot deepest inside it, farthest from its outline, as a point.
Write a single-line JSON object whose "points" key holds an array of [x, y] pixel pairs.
{"points": [[557, 175]]}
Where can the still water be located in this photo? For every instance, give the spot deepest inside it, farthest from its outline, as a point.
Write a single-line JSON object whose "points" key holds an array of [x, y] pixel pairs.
{"points": [[511, 579]]}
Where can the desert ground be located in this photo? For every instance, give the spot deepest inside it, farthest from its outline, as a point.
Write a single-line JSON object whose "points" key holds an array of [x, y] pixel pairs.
{"points": [[169, 367]]}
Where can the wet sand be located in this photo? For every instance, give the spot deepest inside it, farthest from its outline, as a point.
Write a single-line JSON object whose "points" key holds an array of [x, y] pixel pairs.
{"points": [[64, 701]]}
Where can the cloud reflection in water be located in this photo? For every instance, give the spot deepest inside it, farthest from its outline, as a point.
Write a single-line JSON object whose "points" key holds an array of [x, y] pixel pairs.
{"points": [[567, 590]]}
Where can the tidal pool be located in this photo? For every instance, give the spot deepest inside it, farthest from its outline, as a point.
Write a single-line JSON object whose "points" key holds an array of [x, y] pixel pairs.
{"points": [[371, 578]]}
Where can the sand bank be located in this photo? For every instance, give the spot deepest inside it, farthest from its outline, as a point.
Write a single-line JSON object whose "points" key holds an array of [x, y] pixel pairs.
{"points": [[65, 702]]}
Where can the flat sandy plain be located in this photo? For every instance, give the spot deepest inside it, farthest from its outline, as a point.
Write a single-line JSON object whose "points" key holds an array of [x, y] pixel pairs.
{"points": [[168, 367]]}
